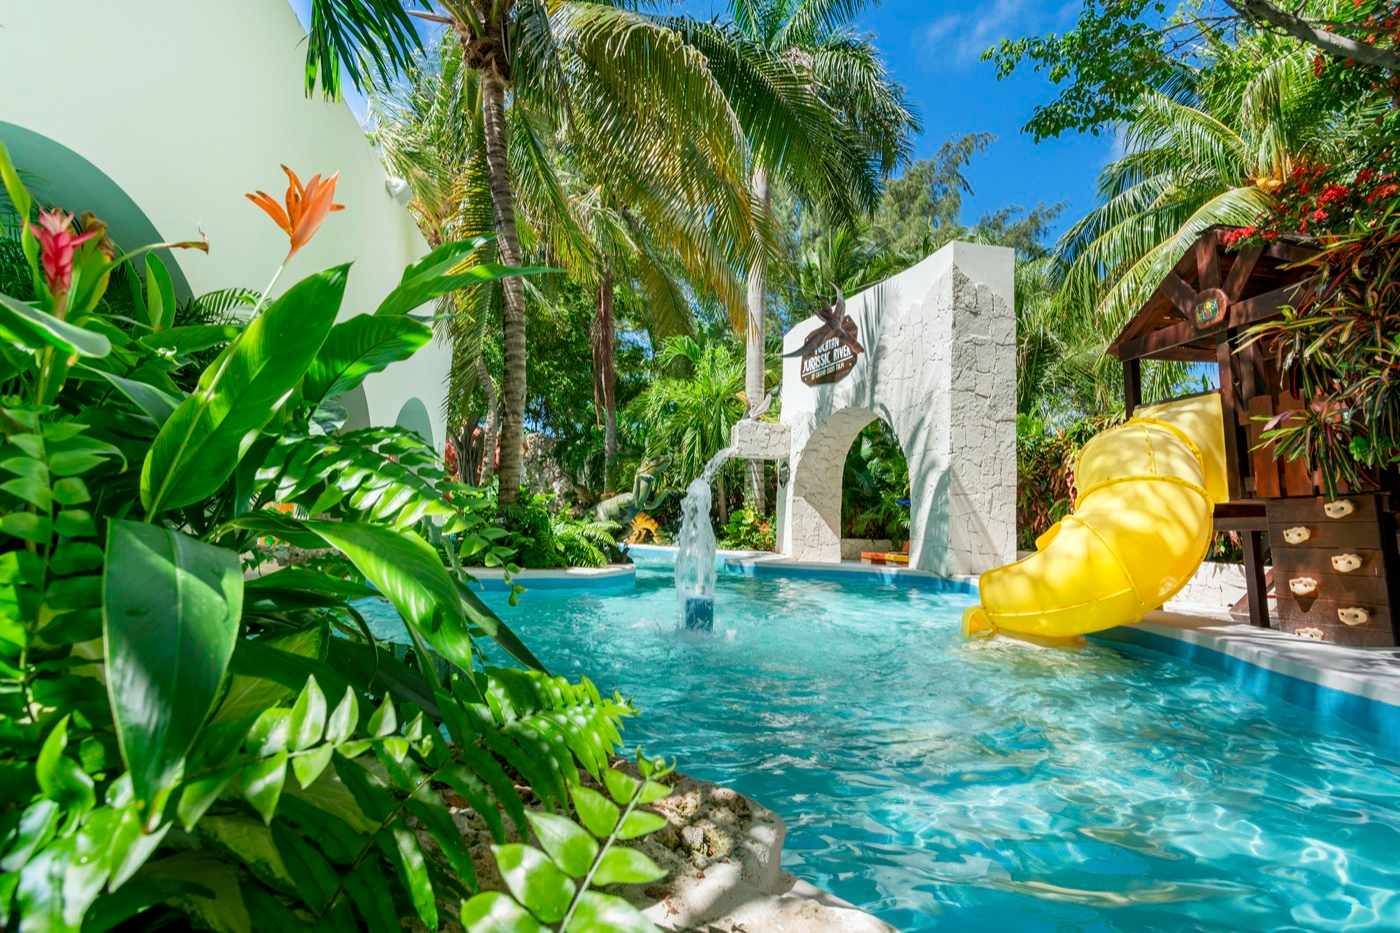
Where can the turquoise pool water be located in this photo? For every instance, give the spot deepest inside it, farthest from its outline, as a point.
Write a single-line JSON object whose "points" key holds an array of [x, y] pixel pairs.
{"points": [[992, 786]]}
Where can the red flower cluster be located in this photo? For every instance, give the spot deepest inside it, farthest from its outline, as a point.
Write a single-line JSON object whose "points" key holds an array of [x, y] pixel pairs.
{"points": [[1321, 201]]}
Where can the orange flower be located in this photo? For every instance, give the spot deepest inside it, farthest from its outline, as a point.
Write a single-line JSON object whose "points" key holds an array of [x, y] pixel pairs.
{"points": [[307, 207]]}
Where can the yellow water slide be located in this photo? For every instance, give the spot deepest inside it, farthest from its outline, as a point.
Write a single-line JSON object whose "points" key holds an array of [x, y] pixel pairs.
{"points": [[1141, 525]]}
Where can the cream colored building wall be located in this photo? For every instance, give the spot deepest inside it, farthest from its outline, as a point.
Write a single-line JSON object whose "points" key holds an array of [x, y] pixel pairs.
{"points": [[187, 104]]}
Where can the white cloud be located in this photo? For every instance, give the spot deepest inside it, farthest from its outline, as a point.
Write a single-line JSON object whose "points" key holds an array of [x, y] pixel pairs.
{"points": [[959, 39]]}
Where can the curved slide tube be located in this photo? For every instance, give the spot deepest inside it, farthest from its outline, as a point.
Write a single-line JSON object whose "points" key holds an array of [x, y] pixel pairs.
{"points": [[1141, 525]]}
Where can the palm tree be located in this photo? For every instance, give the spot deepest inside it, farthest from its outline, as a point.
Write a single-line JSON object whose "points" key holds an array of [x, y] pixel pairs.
{"points": [[830, 145], [1212, 150], [608, 221], [625, 84]]}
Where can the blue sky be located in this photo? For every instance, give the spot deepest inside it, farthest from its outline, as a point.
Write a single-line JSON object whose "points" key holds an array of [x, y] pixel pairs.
{"points": [[933, 48]]}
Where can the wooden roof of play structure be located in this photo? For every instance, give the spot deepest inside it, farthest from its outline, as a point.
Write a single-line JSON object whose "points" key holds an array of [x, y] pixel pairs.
{"points": [[1210, 290]]}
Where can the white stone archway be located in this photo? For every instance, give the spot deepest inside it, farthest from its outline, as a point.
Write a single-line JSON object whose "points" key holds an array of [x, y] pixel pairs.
{"points": [[940, 368]]}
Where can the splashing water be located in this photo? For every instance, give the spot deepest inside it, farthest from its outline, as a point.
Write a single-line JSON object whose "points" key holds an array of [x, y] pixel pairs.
{"points": [[695, 550]]}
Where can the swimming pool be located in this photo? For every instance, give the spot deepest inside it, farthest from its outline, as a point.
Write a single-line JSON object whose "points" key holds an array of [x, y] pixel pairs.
{"points": [[989, 785]]}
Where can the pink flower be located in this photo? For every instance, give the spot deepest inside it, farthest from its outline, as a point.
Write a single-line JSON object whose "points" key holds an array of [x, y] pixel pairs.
{"points": [[57, 243]]}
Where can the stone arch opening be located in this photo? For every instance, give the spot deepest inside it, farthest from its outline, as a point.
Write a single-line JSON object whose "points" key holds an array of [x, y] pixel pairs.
{"points": [[875, 493]]}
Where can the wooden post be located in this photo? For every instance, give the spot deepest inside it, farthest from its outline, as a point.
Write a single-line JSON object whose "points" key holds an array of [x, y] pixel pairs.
{"points": [[1254, 578], [1229, 409], [1132, 385]]}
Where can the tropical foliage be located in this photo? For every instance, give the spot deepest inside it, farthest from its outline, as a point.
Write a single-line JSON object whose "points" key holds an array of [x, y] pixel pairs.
{"points": [[875, 487], [196, 738], [688, 416], [1340, 346], [1227, 117]]}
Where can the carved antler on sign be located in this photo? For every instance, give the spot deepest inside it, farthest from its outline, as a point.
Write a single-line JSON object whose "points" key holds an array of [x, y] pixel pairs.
{"points": [[833, 318]]}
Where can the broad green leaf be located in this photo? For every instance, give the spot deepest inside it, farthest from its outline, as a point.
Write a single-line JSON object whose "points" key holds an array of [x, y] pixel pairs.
{"points": [[40, 892], [262, 784], [26, 467], [432, 814], [33, 329], [308, 765], [75, 523], [483, 618], [71, 491], [384, 720], [362, 345], [60, 777], [621, 865], [192, 338], [202, 442], [409, 573], [289, 579], [34, 492], [157, 404], [197, 796], [252, 843], [36, 827], [408, 858], [27, 526], [445, 269], [597, 812], [597, 911], [571, 848], [494, 912], [308, 716], [136, 898], [170, 612], [130, 845], [160, 294], [621, 787], [640, 823], [534, 880], [271, 732], [22, 202], [316, 881], [653, 791], [219, 905], [344, 718]]}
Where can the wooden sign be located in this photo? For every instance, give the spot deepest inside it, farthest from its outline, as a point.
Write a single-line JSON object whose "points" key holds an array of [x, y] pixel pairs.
{"points": [[1212, 307], [833, 358], [830, 351]]}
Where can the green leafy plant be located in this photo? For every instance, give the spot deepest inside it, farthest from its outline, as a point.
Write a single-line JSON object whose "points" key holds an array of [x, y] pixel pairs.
{"points": [[191, 737], [875, 486], [552, 885], [1339, 346], [747, 530], [585, 542]]}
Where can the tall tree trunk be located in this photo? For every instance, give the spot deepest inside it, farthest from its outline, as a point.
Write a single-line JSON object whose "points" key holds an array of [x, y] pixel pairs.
{"points": [[605, 378], [489, 430], [493, 104], [753, 345]]}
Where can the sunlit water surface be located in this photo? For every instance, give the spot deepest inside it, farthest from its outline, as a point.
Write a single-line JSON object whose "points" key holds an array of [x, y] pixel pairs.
{"points": [[992, 786]]}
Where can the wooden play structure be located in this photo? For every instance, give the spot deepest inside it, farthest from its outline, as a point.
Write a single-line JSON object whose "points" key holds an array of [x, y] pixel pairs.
{"points": [[1335, 562]]}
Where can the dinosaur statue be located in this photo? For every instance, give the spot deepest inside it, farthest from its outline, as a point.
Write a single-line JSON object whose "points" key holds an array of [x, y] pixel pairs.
{"points": [[644, 497]]}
